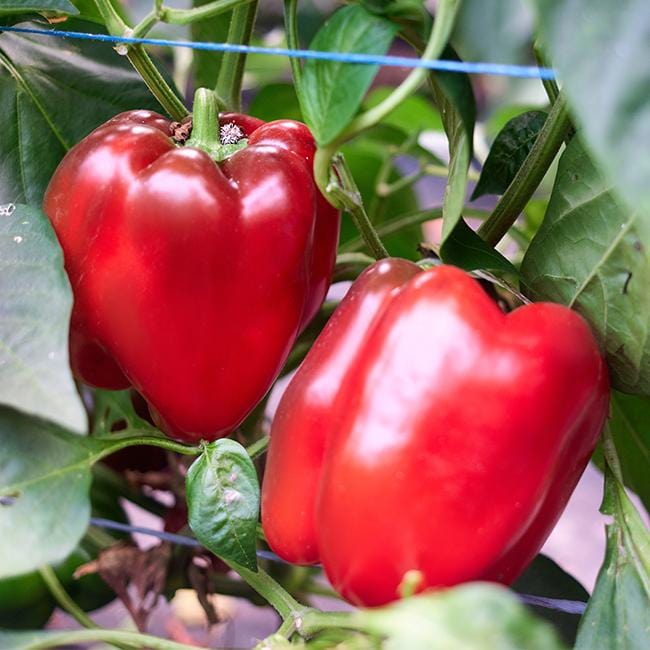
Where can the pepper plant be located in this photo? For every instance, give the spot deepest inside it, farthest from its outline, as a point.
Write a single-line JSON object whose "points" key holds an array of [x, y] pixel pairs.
{"points": [[169, 228]]}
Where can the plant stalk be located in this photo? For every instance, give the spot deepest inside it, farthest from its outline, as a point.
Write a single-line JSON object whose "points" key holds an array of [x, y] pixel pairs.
{"points": [[529, 175], [231, 70], [140, 60]]}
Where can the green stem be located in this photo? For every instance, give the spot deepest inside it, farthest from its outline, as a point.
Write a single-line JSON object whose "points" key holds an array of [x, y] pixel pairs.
{"points": [[63, 598], [274, 594], [550, 85], [146, 24], [611, 456], [402, 222], [116, 637], [231, 70], [443, 172], [208, 10], [205, 128], [141, 61], [529, 176], [156, 83], [291, 31], [385, 190], [205, 123], [316, 621], [258, 447], [345, 195], [132, 438]]}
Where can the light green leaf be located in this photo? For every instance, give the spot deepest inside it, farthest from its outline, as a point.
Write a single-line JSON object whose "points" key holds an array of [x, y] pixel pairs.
{"points": [[471, 616], [223, 499], [34, 319], [331, 91], [601, 52], [44, 491], [618, 614], [593, 254]]}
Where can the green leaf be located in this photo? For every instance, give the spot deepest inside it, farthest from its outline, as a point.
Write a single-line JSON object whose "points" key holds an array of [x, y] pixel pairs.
{"points": [[545, 579], [413, 115], [630, 427], [331, 91], [618, 614], [593, 254], [471, 616], [498, 31], [113, 406], [45, 6], [465, 249], [44, 491], [601, 51], [277, 101], [508, 152], [34, 319], [53, 92], [223, 499]]}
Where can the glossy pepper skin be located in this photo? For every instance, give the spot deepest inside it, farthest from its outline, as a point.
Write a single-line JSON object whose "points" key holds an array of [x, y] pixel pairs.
{"points": [[428, 430], [191, 279]]}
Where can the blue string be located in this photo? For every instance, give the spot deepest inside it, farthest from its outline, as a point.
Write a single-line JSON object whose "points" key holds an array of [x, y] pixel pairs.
{"points": [[558, 604], [522, 71]]}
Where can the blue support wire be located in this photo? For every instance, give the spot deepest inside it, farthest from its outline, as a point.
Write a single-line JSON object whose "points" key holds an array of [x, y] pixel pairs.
{"points": [[560, 605], [440, 65]]}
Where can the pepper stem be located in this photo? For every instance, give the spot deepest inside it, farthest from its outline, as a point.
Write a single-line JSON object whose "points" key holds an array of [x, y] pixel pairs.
{"points": [[205, 122], [205, 127]]}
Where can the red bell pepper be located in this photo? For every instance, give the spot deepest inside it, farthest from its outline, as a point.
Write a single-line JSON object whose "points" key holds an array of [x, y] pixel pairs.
{"points": [[191, 279], [428, 430]]}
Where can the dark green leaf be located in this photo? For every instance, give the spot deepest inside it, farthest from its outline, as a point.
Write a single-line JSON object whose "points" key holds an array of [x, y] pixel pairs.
{"points": [[601, 51], [44, 484], [593, 254], [544, 578], [53, 92], [498, 31], [630, 427], [508, 152], [34, 319], [464, 248], [223, 502], [44, 6], [471, 616], [276, 102], [332, 91], [209, 30], [618, 614]]}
